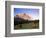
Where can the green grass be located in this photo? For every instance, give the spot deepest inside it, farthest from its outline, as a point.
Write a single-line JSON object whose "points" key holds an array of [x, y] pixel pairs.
{"points": [[31, 25]]}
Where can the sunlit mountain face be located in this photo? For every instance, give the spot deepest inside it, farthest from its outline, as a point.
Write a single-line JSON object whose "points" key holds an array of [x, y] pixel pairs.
{"points": [[24, 16]]}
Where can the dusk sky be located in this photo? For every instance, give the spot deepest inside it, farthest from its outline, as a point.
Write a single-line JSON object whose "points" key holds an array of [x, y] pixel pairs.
{"points": [[33, 12]]}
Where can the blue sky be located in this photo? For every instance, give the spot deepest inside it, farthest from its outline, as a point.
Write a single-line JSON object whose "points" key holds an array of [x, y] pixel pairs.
{"points": [[33, 12]]}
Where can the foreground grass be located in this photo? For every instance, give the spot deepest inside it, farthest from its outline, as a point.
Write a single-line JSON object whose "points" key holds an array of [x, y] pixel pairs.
{"points": [[30, 25]]}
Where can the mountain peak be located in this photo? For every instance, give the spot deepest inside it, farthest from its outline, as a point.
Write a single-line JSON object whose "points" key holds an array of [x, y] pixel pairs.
{"points": [[24, 16]]}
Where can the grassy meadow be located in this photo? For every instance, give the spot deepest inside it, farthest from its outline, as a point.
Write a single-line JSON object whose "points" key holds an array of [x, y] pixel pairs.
{"points": [[28, 25]]}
